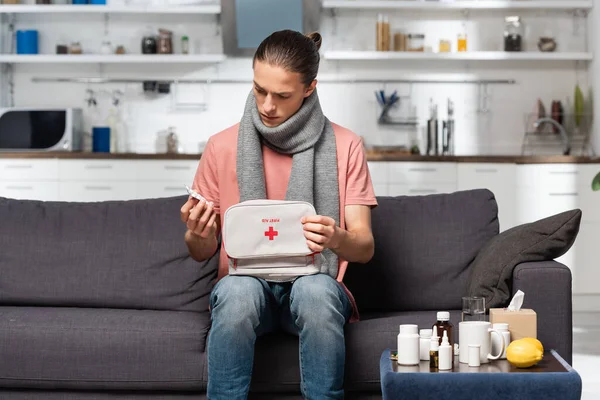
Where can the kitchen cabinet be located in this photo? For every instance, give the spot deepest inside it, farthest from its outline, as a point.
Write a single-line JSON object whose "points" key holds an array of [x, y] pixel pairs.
{"points": [[27, 179], [96, 190], [420, 179], [499, 179], [412, 178], [97, 170], [546, 189], [582, 259], [379, 177], [422, 172], [98, 180], [29, 190], [164, 178], [24, 169], [423, 189], [149, 190], [176, 170]]}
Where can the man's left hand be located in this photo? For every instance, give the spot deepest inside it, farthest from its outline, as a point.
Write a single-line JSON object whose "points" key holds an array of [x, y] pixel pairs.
{"points": [[321, 233]]}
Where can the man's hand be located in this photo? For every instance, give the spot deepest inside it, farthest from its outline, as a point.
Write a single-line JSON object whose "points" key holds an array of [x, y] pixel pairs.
{"points": [[321, 233], [199, 217], [354, 244]]}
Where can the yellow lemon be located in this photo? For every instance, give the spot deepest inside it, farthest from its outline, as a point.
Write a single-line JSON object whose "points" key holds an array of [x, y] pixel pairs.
{"points": [[524, 353], [537, 343]]}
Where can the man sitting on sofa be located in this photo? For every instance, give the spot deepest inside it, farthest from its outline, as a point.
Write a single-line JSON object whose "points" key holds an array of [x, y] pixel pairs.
{"points": [[282, 146]]}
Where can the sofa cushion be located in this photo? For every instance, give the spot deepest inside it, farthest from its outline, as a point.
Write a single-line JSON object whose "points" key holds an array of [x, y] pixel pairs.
{"points": [[365, 341], [542, 240], [116, 254], [423, 248], [71, 348]]}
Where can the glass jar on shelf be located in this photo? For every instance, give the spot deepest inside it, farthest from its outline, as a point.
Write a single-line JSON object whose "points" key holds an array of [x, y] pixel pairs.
{"points": [[165, 42], [445, 46], [185, 45], [513, 34], [415, 42], [106, 47], [461, 44], [75, 48], [149, 41]]}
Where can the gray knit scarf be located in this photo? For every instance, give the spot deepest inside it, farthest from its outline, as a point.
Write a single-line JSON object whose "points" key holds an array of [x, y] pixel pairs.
{"points": [[308, 136]]}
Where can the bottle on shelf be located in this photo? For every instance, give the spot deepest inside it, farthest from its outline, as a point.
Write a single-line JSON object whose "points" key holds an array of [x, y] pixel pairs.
{"points": [[379, 33], [432, 130], [185, 45], [383, 33], [461, 45]]}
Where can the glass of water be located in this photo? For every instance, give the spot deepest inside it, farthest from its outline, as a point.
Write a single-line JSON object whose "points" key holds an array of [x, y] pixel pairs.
{"points": [[473, 308]]}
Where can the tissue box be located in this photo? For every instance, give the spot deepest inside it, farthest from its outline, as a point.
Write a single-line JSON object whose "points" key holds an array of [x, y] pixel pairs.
{"points": [[521, 323]]}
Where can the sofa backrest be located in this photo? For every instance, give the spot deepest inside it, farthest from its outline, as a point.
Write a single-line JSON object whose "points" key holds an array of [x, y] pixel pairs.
{"points": [[423, 248], [117, 254]]}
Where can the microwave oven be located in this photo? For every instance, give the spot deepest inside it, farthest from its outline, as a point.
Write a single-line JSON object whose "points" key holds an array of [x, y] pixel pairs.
{"points": [[41, 129]]}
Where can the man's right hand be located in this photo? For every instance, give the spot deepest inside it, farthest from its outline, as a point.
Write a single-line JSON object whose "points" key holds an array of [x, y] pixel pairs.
{"points": [[200, 218]]}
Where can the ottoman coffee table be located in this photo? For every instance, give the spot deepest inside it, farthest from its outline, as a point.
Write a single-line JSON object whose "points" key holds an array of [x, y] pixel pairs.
{"points": [[552, 378]]}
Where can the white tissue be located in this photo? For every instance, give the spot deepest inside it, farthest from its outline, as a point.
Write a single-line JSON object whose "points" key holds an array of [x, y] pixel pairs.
{"points": [[516, 302]]}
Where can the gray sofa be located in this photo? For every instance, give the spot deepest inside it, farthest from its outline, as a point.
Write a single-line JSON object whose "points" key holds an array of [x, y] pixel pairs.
{"points": [[102, 301]]}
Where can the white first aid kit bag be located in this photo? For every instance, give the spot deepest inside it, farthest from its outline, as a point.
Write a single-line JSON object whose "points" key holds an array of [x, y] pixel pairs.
{"points": [[265, 238]]}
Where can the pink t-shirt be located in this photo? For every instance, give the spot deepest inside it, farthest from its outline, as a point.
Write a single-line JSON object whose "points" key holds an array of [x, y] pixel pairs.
{"points": [[216, 179]]}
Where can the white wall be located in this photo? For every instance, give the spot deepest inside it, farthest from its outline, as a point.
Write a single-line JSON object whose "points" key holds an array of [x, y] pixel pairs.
{"points": [[499, 131]]}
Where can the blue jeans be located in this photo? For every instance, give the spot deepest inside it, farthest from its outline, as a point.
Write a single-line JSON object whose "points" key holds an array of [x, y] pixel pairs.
{"points": [[314, 307]]}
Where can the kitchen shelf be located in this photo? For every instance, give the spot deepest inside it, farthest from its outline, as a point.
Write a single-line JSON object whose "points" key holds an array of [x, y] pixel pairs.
{"points": [[460, 5], [466, 56], [112, 58], [209, 8]]}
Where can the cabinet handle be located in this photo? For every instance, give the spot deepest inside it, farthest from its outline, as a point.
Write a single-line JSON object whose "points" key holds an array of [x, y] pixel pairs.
{"points": [[563, 172], [98, 166], [486, 170], [19, 166], [177, 167], [173, 189], [98, 187], [13, 187], [422, 169], [563, 194], [423, 191]]}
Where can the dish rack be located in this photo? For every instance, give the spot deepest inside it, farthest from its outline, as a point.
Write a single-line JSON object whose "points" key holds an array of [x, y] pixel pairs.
{"points": [[567, 135]]}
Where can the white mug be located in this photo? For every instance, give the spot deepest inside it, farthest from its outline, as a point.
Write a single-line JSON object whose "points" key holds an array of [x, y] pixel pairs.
{"points": [[478, 333], [503, 329]]}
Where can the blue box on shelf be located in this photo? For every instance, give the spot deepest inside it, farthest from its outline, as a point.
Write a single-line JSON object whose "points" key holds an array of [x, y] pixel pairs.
{"points": [[101, 139], [27, 42]]}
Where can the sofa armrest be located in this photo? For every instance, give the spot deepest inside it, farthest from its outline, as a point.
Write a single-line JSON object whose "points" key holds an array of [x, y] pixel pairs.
{"points": [[547, 288]]}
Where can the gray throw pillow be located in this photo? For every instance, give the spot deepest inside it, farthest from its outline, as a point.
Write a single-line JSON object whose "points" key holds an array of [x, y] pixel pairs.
{"points": [[542, 240]]}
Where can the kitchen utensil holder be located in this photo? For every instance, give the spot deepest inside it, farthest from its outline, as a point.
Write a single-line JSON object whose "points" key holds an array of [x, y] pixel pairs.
{"points": [[385, 106], [384, 118]]}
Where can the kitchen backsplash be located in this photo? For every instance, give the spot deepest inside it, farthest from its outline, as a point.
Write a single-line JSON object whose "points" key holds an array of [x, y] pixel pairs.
{"points": [[492, 126]]}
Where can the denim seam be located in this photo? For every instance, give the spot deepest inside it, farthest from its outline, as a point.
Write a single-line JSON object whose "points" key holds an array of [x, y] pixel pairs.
{"points": [[294, 319]]}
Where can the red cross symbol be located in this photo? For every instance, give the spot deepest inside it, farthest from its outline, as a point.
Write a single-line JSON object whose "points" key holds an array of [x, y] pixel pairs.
{"points": [[271, 233]]}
